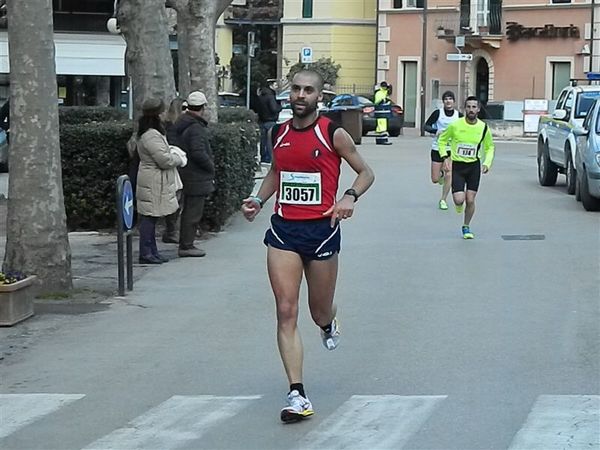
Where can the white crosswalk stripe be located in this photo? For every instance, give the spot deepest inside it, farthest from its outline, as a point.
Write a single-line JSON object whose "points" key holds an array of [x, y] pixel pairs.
{"points": [[561, 422], [19, 410], [174, 423], [372, 421]]}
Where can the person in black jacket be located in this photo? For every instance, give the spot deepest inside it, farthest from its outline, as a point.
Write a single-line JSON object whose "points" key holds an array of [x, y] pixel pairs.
{"points": [[268, 111], [190, 133]]}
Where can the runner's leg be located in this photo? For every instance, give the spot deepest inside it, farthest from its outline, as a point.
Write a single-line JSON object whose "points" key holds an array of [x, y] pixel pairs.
{"points": [[436, 170], [447, 184], [470, 208], [285, 273], [321, 278]]}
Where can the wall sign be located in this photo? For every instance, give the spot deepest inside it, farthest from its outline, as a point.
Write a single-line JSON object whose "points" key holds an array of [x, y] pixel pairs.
{"points": [[516, 31]]}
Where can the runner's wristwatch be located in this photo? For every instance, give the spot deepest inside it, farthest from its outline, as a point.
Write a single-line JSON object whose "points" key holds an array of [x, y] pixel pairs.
{"points": [[353, 193]]}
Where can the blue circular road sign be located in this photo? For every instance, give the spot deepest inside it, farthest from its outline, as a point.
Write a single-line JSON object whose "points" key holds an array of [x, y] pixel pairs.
{"points": [[127, 204]]}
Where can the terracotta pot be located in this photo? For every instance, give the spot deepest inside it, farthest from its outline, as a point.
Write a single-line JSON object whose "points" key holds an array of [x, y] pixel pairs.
{"points": [[16, 301]]}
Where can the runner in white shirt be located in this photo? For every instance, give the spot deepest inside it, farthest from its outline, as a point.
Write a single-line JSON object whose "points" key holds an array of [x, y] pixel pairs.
{"points": [[437, 122]]}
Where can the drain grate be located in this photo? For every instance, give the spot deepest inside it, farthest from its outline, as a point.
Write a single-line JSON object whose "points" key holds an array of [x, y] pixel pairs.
{"points": [[523, 237]]}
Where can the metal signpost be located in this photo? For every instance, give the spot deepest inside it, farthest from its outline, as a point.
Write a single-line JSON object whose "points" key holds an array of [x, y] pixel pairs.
{"points": [[306, 55], [250, 49], [459, 42], [125, 213]]}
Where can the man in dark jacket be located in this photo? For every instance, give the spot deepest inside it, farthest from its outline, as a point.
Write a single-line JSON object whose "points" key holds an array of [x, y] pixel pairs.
{"points": [[190, 133], [268, 112]]}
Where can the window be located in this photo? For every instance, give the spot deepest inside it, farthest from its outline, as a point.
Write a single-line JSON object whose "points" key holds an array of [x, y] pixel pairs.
{"points": [[584, 103], [569, 102], [400, 4], [307, 9], [561, 1]]}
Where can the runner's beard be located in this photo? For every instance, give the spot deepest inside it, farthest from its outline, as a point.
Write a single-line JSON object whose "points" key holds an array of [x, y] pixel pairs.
{"points": [[309, 108]]}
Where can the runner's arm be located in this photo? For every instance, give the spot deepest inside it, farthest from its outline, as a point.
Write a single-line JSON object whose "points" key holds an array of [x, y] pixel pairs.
{"points": [[252, 205], [344, 146], [443, 140], [429, 124], [488, 149]]}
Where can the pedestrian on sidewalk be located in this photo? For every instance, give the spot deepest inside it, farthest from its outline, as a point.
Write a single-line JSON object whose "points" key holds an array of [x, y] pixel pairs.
{"points": [[305, 236], [268, 113], [198, 176], [176, 108], [156, 179], [470, 141], [437, 122]]}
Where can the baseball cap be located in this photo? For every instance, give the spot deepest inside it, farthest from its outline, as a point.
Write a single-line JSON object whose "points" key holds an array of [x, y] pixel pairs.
{"points": [[196, 98]]}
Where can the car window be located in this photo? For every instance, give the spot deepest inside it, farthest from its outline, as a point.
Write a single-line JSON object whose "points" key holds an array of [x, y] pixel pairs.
{"points": [[588, 119], [342, 100], [597, 122], [561, 100], [364, 101], [584, 102], [569, 102]]}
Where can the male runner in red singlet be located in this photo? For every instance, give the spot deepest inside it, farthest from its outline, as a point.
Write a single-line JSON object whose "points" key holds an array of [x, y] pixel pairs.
{"points": [[304, 237]]}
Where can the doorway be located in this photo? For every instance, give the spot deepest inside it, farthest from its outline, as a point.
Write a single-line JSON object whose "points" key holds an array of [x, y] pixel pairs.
{"points": [[482, 85], [409, 92]]}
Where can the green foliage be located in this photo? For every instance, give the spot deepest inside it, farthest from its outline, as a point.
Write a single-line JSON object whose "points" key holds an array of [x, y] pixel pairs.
{"points": [[234, 146], [234, 114], [93, 156], [260, 71], [85, 114], [326, 67]]}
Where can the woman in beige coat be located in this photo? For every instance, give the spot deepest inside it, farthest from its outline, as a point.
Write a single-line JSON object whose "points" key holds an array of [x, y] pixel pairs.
{"points": [[157, 179]]}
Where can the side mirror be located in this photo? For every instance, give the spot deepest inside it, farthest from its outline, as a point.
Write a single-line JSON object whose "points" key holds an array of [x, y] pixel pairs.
{"points": [[580, 131], [559, 114]]}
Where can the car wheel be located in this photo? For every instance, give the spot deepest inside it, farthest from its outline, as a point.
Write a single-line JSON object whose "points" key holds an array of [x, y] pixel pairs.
{"points": [[547, 170], [577, 188], [570, 173], [395, 133], [589, 203]]}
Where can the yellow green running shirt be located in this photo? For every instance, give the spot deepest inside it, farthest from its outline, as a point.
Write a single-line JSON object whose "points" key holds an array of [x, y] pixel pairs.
{"points": [[464, 139]]}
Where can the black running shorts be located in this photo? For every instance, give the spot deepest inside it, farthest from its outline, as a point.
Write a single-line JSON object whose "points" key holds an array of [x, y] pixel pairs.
{"points": [[465, 174], [435, 156], [311, 239]]}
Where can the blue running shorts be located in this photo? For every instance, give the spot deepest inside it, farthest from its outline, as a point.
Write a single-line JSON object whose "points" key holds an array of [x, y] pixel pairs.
{"points": [[311, 239]]}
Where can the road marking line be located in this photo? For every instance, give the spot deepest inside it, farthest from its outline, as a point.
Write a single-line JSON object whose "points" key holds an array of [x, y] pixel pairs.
{"points": [[373, 422], [19, 410], [173, 423], [560, 422]]}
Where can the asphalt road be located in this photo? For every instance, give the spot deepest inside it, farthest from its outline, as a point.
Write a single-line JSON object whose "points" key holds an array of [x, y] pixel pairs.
{"points": [[446, 344]]}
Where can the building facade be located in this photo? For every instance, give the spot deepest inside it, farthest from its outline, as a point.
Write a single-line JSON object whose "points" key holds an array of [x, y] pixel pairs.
{"points": [[519, 49], [343, 30]]}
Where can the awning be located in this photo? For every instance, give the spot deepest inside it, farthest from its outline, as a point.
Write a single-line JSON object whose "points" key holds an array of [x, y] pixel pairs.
{"points": [[80, 54]]}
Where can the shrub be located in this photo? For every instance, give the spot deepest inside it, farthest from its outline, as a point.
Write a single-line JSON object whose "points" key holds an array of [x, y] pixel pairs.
{"points": [[86, 114], [234, 146], [93, 156]]}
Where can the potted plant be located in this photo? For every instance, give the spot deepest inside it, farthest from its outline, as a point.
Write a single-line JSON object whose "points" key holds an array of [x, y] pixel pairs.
{"points": [[16, 297]]}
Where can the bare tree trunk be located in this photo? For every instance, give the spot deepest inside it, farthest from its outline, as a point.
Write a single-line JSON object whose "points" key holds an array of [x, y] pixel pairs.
{"points": [[183, 57], [144, 25], [37, 240], [198, 19]]}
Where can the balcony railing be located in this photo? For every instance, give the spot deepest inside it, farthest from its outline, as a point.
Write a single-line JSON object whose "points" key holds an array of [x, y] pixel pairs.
{"points": [[487, 22]]}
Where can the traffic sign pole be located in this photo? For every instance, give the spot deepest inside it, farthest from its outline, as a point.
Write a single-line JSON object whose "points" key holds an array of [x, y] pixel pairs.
{"points": [[125, 211]]}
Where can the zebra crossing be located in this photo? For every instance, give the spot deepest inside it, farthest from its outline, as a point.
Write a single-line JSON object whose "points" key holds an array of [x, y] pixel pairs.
{"points": [[382, 422]]}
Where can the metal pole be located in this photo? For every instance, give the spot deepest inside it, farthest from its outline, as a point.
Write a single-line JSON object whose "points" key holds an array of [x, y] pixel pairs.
{"points": [[376, 42], [423, 68], [120, 262], [129, 241], [250, 42], [459, 77]]}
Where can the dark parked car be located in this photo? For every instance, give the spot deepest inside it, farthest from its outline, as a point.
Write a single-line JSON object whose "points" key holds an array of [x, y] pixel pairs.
{"points": [[369, 122]]}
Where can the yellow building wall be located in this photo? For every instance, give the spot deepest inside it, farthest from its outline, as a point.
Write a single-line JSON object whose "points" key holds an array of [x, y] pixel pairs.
{"points": [[297, 36], [353, 47], [223, 47], [337, 9]]}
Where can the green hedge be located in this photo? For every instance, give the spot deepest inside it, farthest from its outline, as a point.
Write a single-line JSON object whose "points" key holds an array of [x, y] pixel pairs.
{"points": [[86, 114], [94, 155]]}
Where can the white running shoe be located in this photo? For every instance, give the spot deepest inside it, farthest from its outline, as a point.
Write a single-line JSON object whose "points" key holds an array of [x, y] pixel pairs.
{"points": [[331, 339], [298, 408]]}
